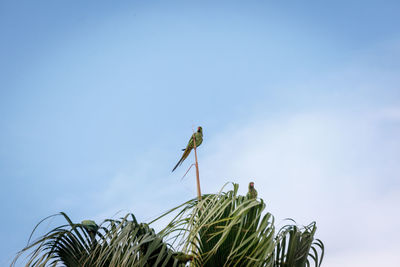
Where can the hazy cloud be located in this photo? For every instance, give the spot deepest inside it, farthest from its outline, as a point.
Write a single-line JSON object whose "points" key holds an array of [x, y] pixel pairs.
{"points": [[329, 168]]}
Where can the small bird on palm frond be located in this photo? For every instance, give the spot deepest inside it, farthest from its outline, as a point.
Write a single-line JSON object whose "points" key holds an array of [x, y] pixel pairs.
{"points": [[91, 227], [252, 194], [198, 137]]}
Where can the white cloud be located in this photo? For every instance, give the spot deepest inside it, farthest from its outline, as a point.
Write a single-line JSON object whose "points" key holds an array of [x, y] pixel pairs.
{"points": [[384, 256], [327, 168], [392, 113]]}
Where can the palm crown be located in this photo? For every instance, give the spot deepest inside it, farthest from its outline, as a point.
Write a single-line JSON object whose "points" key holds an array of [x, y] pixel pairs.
{"points": [[223, 229]]}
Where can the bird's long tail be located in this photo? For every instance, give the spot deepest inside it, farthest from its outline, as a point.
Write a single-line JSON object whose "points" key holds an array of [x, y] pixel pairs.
{"points": [[184, 156], [176, 166]]}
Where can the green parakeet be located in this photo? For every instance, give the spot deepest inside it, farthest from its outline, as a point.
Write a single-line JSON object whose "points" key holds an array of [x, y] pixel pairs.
{"points": [[92, 228], [252, 191], [199, 139], [90, 225]]}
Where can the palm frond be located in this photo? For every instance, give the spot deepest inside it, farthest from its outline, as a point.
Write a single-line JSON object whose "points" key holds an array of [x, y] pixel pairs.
{"points": [[122, 242], [296, 246]]}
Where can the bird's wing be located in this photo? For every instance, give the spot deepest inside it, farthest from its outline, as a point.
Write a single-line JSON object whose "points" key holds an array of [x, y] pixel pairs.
{"points": [[190, 143], [199, 139]]}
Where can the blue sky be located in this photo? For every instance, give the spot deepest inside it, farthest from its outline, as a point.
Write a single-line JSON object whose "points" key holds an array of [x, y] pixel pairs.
{"points": [[98, 98]]}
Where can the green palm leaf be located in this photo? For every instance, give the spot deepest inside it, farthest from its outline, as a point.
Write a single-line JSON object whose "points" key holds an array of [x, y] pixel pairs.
{"points": [[296, 246]]}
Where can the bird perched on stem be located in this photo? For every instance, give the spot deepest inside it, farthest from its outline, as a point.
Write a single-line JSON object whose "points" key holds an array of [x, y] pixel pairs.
{"points": [[198, 138], [252, 191]]}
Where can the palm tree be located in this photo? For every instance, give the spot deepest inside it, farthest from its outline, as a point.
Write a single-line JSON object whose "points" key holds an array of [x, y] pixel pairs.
{"points": [[223, 229]]}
